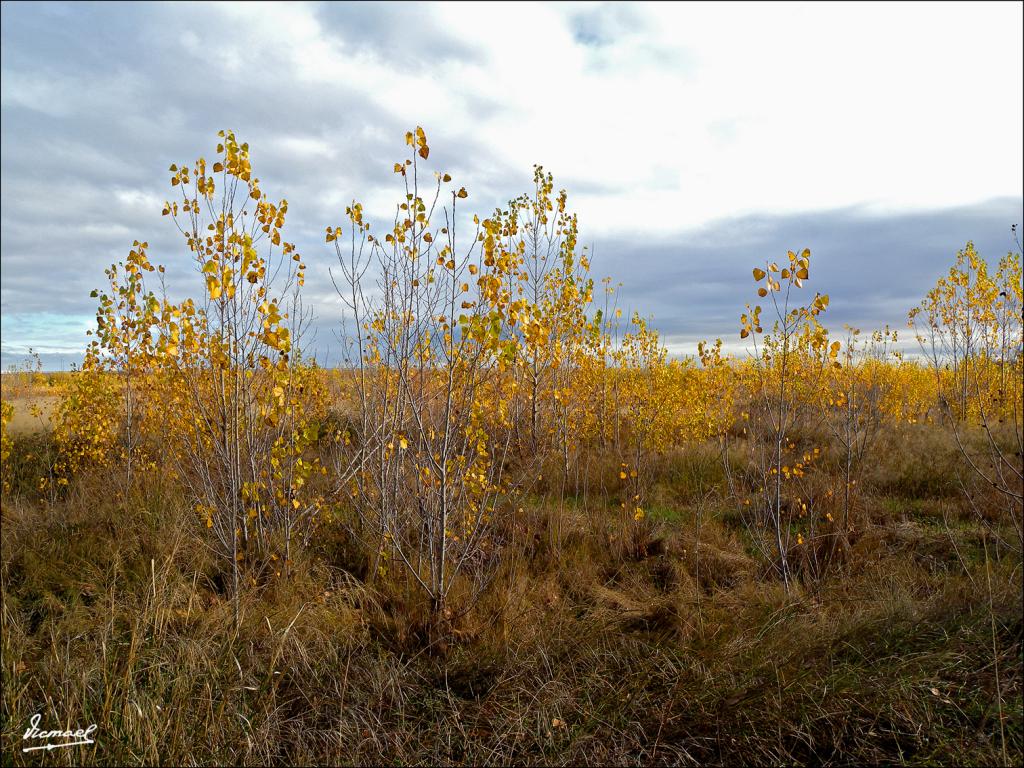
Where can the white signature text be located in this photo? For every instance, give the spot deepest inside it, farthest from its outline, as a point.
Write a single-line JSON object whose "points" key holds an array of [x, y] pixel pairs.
{"points": [[58, 739]]}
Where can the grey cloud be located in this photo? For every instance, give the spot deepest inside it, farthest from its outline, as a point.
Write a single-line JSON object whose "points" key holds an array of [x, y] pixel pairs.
{"points": [[695, 284], [98, 99], [406, 33], [603, 26], [600, 25], [875, 267]]}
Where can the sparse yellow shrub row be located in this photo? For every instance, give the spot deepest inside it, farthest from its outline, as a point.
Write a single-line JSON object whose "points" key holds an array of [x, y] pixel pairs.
{"points": [[473, 363]]}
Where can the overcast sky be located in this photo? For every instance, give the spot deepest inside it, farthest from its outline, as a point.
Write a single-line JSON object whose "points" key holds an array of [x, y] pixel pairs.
{"points": [[694, 140]]}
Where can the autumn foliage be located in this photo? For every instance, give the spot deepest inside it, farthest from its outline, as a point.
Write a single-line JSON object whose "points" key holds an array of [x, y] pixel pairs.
{"points": [[484, 367], [509, 525]]}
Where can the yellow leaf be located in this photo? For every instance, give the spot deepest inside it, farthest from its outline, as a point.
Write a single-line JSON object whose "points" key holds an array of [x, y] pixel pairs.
{"points": [[214, 288], [759, 274]]}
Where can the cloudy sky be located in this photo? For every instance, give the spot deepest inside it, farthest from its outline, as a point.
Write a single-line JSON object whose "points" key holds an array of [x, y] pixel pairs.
{"points": [[694, 140]]}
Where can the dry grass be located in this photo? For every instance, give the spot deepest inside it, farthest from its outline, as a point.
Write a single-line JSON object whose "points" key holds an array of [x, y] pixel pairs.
{"points": [[25, 422], [576, 655]]}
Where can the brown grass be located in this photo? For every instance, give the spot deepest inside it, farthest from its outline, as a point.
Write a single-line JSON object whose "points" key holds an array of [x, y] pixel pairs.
{"points": [[24, 421], [576, 655]]}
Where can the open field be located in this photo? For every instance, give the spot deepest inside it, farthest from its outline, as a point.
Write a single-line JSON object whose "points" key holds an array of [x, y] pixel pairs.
{"points": [[32, 414], [510, 529], [34, 396], [689, 652], [512, 384]]}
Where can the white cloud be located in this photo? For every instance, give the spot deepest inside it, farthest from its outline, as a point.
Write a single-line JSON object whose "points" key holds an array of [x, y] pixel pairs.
{"points": [[661, 120], [686, 113]]}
